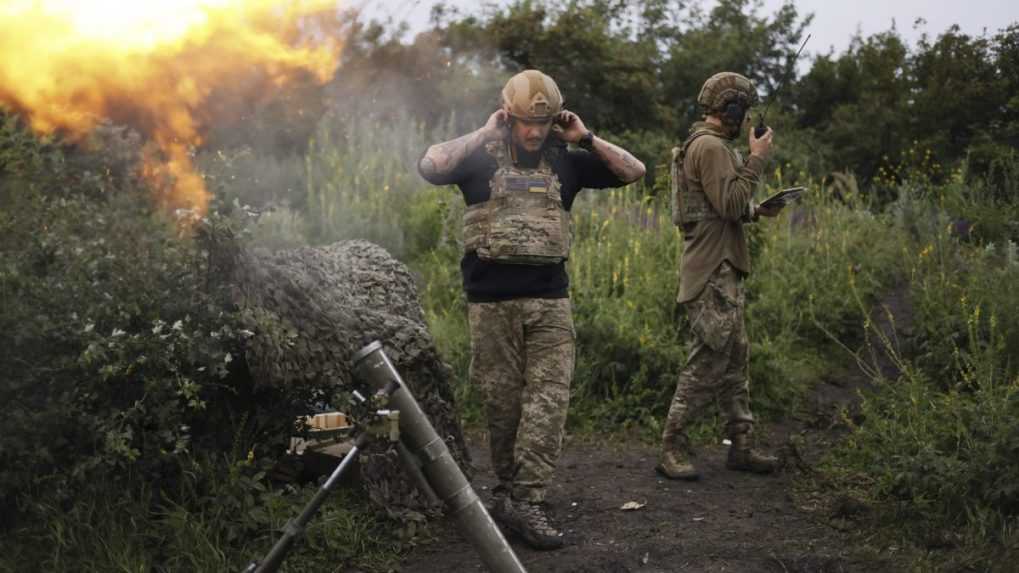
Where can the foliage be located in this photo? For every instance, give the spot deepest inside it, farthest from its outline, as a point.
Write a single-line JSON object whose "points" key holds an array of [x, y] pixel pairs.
{"points": [[733, 36], [629, 69], [21, 153], [940, 452], [221, 516], [362, 182], [806, 266], [637, 67], [109, 341], [622, 286], [936, 447], [120, 379], [577, 43]]}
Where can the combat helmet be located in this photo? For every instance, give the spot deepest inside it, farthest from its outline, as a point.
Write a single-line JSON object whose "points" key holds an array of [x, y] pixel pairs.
{"points": [[532, 95], [724, 88]]}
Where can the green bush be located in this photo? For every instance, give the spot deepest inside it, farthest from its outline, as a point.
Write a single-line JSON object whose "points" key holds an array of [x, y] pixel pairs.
{"points": [[810, 264], [944, 458], [130, 427], [622, 271], [362, 183], [220, 517], [937, 448], [112, 340]]}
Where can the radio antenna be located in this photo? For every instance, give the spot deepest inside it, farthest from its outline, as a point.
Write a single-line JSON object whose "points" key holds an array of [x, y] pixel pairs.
{"points": [[761, 129]]}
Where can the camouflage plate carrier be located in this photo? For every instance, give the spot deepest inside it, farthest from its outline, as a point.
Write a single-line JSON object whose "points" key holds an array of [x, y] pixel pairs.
{"points": [[523, 221], [688, 207]]}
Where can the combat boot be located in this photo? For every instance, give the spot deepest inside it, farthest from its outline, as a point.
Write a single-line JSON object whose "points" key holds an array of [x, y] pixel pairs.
{"points": [[743, 458], [497, 508], [530, 522], [674, 461]]}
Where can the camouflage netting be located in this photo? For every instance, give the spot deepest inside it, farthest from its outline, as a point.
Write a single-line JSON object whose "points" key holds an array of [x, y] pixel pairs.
{"points": [[313, 308]]}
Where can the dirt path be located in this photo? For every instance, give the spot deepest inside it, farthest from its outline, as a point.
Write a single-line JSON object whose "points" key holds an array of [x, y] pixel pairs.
{"points": [[727, 521]]}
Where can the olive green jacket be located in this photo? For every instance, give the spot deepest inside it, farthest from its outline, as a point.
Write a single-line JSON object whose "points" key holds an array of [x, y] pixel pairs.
{"points": [[714, 167]]}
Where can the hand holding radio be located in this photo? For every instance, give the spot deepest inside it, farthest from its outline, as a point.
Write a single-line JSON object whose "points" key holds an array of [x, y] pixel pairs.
{"points": [[760, 145]]}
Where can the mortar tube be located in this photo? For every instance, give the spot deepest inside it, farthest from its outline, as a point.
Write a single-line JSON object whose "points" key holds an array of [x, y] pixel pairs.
{"points": [[440, 469]]}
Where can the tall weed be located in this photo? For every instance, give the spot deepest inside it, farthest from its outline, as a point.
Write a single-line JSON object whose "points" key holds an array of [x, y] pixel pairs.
{"points": [[937, 447]]}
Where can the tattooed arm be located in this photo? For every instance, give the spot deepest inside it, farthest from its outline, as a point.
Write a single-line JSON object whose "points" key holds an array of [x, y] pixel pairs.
{"points": [[627, 167], [442, 158], [622, 164]]}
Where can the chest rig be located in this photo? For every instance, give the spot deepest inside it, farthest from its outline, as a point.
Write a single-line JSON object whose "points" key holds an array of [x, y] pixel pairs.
{"points": [[523, 221], [688, 206]]}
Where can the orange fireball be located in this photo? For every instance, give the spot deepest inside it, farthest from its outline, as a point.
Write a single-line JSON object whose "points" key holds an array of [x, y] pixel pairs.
{"points": [[68, 64]]}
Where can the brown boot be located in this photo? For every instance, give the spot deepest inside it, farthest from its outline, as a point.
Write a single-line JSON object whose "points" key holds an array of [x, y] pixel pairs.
{"points": [[674, 461], [530, 521], [743, 458]]}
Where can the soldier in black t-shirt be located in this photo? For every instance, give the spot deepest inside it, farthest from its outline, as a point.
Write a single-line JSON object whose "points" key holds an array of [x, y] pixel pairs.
{"points": [[519, 182]]}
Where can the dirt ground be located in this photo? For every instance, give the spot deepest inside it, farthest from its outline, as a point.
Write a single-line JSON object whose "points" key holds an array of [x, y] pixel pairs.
{"points": [[726, 522]]}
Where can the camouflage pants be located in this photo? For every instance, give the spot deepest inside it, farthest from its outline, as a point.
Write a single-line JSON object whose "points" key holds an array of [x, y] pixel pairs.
{"points": [[716, 367], [522, 354]]}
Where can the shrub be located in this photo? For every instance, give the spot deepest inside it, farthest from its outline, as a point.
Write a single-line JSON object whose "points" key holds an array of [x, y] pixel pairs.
{"points": [[131, 430], [220, 517], [937, 447]]}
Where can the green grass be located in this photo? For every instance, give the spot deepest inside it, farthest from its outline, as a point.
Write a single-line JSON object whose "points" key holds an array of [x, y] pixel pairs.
{"points": [[208, 524]]}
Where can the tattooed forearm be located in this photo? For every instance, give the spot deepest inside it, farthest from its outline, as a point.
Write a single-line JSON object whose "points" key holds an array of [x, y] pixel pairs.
{"points": [[442, 158], [627, 167]]}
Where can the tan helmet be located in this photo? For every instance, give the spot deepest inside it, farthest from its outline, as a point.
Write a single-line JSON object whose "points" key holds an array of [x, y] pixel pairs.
{"points": [[723, 88], [532, 95]]}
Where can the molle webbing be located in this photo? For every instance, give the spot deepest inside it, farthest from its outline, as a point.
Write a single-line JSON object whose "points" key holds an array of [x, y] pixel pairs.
{"points": [[688, 206], [523, 221], [475, 226]]}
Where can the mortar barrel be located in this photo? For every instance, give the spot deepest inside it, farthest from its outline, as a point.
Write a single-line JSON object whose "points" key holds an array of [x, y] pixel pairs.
{"points": [[372, 366]]}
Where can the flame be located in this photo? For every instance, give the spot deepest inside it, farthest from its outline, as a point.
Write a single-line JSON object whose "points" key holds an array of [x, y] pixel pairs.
{"points": [[68, 64]]}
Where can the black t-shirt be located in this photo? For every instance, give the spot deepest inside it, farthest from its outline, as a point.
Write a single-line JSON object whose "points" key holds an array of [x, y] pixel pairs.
{"points": [[487, 281]]}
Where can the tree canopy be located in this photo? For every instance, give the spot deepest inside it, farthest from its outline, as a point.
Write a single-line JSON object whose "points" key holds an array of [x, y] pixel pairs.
{"points": [[633, 68]]}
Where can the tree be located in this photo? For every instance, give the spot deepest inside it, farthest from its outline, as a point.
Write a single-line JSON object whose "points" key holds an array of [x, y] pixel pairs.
{"points": [[856, 105], [606, 72], [734, 37], [957, 92]]}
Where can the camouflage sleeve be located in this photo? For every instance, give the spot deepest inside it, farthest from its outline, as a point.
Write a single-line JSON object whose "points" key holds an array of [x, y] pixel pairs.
{"points": [[729, 186]]}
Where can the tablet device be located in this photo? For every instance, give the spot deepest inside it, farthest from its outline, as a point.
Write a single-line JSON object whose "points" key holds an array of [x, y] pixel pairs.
{"points": [[782, 197]]}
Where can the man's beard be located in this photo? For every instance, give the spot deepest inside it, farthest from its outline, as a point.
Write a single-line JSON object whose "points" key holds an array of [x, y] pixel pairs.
{"points": [[536, 144]]}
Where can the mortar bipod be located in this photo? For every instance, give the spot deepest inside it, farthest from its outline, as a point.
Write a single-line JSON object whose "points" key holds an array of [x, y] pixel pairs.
{"points": [[386, 422]]}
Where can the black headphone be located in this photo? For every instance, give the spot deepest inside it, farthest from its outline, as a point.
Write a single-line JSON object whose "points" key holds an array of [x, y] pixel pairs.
{"points": [[734, 112]]}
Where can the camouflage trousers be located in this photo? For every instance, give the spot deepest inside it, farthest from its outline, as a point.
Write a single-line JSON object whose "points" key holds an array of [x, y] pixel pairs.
{"points": [[522, 354], [716, 367]]}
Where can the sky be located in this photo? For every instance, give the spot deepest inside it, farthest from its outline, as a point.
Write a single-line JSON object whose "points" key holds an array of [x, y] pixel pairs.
{"points": [[833, 26]]}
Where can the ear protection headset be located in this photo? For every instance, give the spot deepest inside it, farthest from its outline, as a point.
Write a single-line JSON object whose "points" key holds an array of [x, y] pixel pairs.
{"points": [[734, 112]]}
